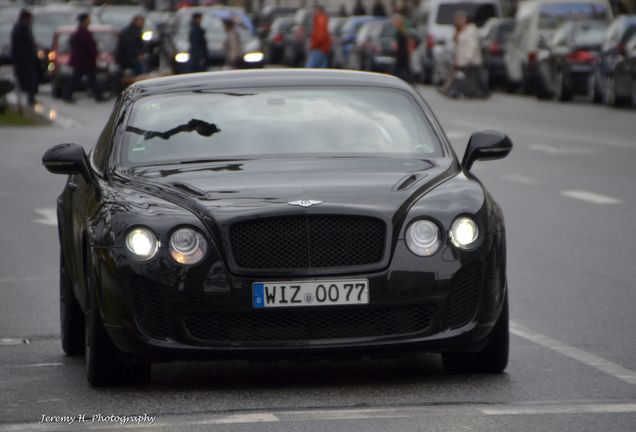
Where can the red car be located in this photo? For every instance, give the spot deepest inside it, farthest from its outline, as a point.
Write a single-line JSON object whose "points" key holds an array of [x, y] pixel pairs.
{"points": [[59, 69]]}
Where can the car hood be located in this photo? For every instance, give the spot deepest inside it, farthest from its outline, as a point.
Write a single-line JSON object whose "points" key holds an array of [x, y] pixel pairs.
{"points": [[366, 184]]}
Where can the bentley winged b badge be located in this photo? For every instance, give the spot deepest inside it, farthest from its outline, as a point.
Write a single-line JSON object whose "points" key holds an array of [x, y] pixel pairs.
{"points": [[304, 203]]}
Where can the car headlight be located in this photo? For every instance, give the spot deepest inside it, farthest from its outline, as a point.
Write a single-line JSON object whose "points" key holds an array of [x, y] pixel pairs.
{"points": [[423, 237], [147, 35], [464, 233], [141, 243], [182, 57], [187, 246], [253, 57]]}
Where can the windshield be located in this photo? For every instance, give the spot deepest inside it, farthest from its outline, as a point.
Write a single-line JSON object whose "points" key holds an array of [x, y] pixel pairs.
{"points": [[45, 24], [214, 28], [552, 16], [279, 122], [106, 42], [589, 35], [477, 13]]}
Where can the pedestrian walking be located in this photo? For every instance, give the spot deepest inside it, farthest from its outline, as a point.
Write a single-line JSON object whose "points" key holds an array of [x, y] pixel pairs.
{"points": [[83, 59], [467, 74], [198, 45], [320, 40], [232, 45], [359, 8], [24, 54], [130, 47], [402, 65], [378, 9]]}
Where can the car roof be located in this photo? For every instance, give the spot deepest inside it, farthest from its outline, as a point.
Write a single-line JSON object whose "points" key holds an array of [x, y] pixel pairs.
{"points": [[267, 78], [93, 28]]}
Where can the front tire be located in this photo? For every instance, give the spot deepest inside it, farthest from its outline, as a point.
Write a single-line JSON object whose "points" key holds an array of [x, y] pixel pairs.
{"points": [[71, 316], [493, 358], [104, 367]]}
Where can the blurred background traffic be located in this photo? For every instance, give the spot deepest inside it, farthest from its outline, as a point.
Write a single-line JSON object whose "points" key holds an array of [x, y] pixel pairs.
{"points": [[551, 49]]}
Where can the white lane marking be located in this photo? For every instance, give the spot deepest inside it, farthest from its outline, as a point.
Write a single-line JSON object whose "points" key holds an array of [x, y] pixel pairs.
{"points": [[29, 279], [242, 418], [563, 409], [555, 150], [48, 216], [593, 360], [590, 197], [518, 178], [13, 341]]}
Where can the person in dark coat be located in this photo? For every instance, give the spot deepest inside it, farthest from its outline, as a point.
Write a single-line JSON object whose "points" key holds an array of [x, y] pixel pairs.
{"points": [[198, 45], [378, 9], [24, 55], [83, 59], [130, 47], [402, 65]]}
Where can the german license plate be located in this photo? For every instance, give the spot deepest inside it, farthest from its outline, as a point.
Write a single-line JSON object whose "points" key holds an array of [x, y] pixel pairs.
{"points": [[309, 293]]}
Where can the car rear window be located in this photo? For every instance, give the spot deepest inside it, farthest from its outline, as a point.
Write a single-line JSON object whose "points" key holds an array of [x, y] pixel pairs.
{"points": [[477, 13], [276, 122], [589, 35], [552, 16]]}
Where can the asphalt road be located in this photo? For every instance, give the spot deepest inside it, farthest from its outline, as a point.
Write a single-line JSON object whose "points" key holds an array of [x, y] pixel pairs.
{"points": [[567, 191]]}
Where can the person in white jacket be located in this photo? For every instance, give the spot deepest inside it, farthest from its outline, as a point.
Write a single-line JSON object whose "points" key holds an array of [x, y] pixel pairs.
{"points": [[467, 77]]}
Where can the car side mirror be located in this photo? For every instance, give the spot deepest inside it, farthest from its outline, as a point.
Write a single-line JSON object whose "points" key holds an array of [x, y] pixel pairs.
{"points": [[67, 159], [486, 145]]}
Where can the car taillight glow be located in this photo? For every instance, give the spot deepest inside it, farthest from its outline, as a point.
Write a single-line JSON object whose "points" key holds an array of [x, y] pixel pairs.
{"points": [[430, 41], [494, 47], [532, 56], [581, 56], [278, 38], [52, 56]]}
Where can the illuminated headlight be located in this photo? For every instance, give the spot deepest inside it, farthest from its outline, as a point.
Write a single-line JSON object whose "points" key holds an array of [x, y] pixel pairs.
{"points": [[253, 57], [423, 238], [187, 246], [182, 57], [464, 233], [147, 35], [41, 54], [141, 244]]}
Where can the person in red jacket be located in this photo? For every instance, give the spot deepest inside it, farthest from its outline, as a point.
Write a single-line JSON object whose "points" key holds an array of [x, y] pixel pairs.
{"points": [[83, 59], [320, 40]]}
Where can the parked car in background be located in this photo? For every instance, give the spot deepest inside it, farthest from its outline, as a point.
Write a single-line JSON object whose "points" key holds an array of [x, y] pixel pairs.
{"points": [[120, 16], [377, 54], [568, 70], [612, 72], [436, 22], [46, 20], [265, 19], [177, 45], [59, 69], [494, 37], [335, 31], [296, 44], [275, 41], [536, 22], [347, 42]]}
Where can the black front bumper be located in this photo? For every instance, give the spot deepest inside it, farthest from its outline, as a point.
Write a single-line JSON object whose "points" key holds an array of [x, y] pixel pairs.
{"points": [[447, 302]]}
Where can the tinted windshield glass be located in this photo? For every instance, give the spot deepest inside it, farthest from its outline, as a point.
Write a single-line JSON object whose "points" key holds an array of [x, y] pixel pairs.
{"points": [[592, 35], [45, 24], [106, 42], [552, 16], [282, 122], [478, 13]]}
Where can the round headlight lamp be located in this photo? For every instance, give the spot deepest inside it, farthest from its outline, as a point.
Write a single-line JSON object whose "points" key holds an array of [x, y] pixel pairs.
{"points": [[464, 233], [423, 237], [187, 246], [141, 244]]}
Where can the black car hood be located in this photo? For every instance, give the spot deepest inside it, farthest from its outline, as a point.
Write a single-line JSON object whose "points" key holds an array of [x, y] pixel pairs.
{"points": [[383, 184]]}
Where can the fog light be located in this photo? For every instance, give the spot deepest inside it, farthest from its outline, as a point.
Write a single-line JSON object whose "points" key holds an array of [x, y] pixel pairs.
{"points": [[187, 246]]}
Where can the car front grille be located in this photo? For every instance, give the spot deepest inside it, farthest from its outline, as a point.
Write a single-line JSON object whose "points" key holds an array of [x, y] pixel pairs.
{"points": [[465, 296], [308, 242], [269, 326], [148, 308]]}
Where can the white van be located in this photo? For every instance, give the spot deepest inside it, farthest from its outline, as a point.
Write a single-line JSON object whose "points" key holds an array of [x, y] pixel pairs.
{"points": [[436, 27], [535, 24]]}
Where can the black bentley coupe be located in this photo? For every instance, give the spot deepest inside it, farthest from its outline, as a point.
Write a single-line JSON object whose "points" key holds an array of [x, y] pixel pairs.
{"points": [[278, 214]]}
